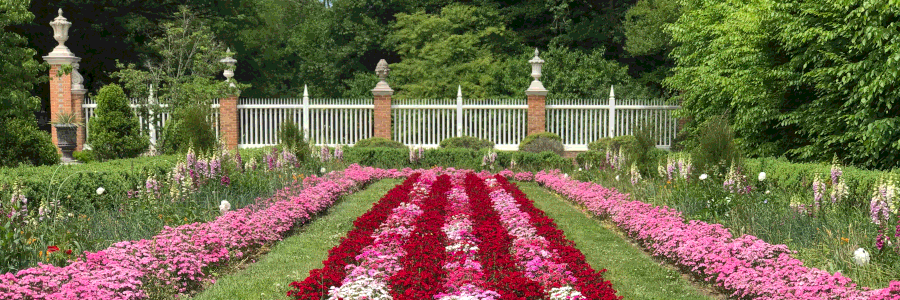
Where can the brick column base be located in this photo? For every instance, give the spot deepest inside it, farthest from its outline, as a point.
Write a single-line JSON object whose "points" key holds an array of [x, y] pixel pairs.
{"points": [[229, 129], [537, 113], [383, 115]]}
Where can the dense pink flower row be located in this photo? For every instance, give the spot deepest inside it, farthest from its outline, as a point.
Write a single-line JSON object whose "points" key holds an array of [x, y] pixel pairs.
{"points": [[180, 257], [529, 248], [380, 260], [745, 266], [465, 278]]}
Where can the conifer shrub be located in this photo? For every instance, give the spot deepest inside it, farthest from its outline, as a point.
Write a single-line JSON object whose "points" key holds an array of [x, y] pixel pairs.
{"points": [[114, 129]]}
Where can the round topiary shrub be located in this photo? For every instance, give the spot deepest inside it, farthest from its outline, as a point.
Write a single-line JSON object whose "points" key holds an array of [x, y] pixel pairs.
{"points": [[379, 142], [468, 142], [21, 142], [114, 130], [540, 142]]}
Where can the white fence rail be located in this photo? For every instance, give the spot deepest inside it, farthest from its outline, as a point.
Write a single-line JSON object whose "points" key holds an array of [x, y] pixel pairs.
{"points": [[426, 122], [325, 121], [581, 121]]}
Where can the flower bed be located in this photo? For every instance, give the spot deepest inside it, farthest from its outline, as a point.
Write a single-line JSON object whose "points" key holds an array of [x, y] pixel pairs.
{"points": [[180, 257], [746, 266], [471, 241]]}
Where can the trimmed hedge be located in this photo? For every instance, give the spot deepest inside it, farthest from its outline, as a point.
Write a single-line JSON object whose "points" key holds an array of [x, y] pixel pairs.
{"points": [[76, 185], [468, 142], [459, 158], [613, 143], [377, 142], [782, 174]]}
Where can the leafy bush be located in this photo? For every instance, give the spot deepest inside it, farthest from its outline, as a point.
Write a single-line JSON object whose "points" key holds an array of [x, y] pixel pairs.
{"points": [[614, 143], [114, 128], [469, 142], [86, 156], [190, 128], [460, 158], [21, 142], [376, 142], [540, 142], [716, 149], [290, 137]]}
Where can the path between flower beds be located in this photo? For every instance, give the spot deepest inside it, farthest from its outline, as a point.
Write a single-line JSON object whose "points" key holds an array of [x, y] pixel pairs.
{"points": [[296, 255], [634, 274]]}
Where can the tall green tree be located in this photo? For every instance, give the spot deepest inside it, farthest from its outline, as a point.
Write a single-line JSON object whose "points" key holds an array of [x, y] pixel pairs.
{"points": [[20, 140], [848, 55], [115, 131], [649, 43], [728, 62]]}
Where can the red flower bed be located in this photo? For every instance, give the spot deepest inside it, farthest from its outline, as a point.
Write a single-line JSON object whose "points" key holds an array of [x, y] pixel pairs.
{"points": [[421, 275], [316, 285], [590, 283], [499, 266]]}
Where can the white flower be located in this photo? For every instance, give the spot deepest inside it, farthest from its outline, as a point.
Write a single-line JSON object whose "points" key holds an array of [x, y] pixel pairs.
{"points": [[703, 176], [767, 192], [100, 190], [861, 256], [579, 169], [322, 170], [566, 175], [71, 215], [617, 177], [224, 206], [762, 176]]}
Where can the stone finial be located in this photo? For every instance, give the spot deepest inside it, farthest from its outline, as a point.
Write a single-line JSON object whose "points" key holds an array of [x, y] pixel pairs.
{"points": [[77, 79], [382, 70], [536, 88], [230, 62], [61, 54]]}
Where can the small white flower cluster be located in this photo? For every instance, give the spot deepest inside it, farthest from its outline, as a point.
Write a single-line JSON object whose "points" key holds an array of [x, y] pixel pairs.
{"points": [[224, 206], [861, 256], [565, 293], [362, 287]]}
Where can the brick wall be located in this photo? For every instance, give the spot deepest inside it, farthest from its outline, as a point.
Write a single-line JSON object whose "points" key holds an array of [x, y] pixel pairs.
{"points": [[383, 116], [228, 121]]}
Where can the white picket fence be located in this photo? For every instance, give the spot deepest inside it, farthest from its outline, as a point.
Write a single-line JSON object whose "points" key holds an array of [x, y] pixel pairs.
{"points": [[89, 105], [426, 122]]}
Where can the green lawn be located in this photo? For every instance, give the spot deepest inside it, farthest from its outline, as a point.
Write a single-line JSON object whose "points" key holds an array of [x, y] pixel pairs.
{"points": [[634, 274], [292, 259]]}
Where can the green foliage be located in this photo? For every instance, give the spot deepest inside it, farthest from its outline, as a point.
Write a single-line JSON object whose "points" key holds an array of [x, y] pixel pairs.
{"points": [[531, 137], [21, 72], [728, 61], [645, 23], [377, 142], [571, 73], [716, 150], [614, 143], [463, 45], [469, 142], [115, 131], [85, 156], [846, 56], [21, 142], [290, 138], [460, 158], [190, 128]]}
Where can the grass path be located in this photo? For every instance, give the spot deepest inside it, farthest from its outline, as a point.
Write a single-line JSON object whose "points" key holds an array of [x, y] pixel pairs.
{"points": [[634, 274], [293, 258]]}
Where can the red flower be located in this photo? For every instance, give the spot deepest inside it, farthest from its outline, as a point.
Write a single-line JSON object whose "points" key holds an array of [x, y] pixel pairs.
{"points": [[51, 249], [69, 252]]}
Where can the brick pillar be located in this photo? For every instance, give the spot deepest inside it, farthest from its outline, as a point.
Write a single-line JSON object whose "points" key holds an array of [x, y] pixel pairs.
{"points": [[383, 115], [537, 113], [77, 100], [383, 94], [61, 100], [229, 128]]}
